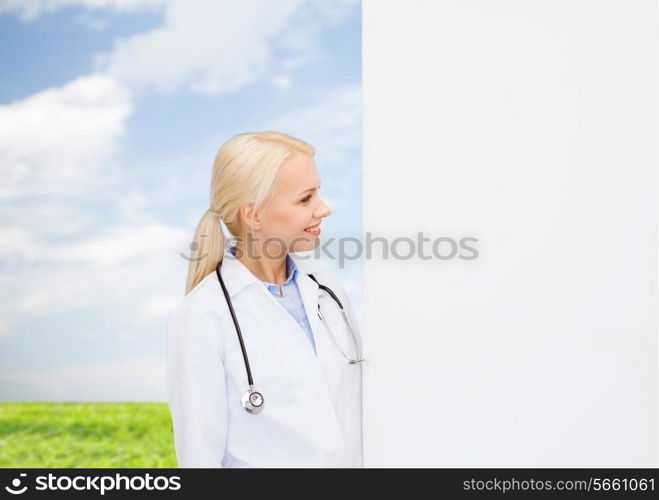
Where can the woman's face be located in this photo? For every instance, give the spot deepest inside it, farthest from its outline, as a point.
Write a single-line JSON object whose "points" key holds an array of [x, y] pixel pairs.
{"points": [[294, 208]]}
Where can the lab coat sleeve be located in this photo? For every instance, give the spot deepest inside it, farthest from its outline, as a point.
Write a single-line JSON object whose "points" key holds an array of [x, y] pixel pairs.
{"points": [[196, 387]]}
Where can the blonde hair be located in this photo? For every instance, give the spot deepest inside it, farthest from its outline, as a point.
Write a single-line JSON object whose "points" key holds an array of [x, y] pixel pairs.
{"points": [[244, 171]]}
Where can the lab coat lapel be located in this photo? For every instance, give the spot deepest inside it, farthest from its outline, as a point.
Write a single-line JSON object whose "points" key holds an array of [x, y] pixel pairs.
{"points": [[326, 357]]}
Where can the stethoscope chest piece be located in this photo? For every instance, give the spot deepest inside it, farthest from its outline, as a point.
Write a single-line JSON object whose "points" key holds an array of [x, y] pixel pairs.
{"points": [[252, 401]]}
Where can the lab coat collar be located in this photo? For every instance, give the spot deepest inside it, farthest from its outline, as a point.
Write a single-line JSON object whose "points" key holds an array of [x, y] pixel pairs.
{"points": [[236, 277]]}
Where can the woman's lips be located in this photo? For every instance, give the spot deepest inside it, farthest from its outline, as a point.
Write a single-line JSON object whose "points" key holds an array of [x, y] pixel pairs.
{"points": [[315, 230]]}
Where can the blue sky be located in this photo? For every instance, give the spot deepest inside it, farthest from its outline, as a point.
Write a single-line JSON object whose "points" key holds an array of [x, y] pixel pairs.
{"points": [[110, 115]]}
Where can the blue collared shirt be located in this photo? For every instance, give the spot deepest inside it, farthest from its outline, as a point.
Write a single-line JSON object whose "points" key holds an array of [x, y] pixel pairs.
{"points": [[291, 300]]}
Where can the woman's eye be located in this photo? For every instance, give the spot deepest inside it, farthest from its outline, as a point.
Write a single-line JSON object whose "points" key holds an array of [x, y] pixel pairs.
{"points": [[306, 198]]}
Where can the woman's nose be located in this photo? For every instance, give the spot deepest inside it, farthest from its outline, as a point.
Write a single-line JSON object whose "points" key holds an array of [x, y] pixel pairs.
{"points": [[324, 210]]}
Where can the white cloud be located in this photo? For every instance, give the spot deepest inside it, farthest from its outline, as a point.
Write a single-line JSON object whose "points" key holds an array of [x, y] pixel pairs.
{"points": [[91, 20], [4, 327], [18, 243], [136, 379], [208, 47], [134, 206], [221, 46], [119, 245], [336, 10], [61, 139], [282, 81], [29, 10], [136, 268]]}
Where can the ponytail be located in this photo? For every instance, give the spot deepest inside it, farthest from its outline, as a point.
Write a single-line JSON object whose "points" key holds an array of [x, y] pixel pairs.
{"points": [[210, 244]]}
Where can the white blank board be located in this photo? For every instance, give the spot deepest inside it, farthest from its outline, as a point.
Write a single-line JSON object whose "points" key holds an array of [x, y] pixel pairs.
{"points": [[531, 126]]}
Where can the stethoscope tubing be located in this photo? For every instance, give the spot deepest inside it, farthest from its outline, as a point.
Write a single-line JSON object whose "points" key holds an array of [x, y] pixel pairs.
{"points": [[253, 400], [250, 381]]}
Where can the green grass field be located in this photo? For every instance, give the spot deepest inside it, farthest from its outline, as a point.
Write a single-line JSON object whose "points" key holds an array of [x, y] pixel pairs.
{"points": [[86, 435]]}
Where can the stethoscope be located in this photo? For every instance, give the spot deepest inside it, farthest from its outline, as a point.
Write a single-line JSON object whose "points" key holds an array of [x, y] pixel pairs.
{"points": [[253, 400]]}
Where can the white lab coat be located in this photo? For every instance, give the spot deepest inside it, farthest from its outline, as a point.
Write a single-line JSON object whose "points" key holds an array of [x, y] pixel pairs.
{"points": [[312, 415]]}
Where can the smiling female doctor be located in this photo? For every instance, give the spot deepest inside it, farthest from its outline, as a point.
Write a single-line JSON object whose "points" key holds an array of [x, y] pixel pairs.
{"points": [[264, 356]]}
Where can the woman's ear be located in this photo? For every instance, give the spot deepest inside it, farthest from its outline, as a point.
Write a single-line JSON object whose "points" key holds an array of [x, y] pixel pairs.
{"points": [[250, 217]]}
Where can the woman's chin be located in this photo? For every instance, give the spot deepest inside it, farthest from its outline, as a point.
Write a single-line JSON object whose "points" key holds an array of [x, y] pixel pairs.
{"points": [[309, 243]]}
